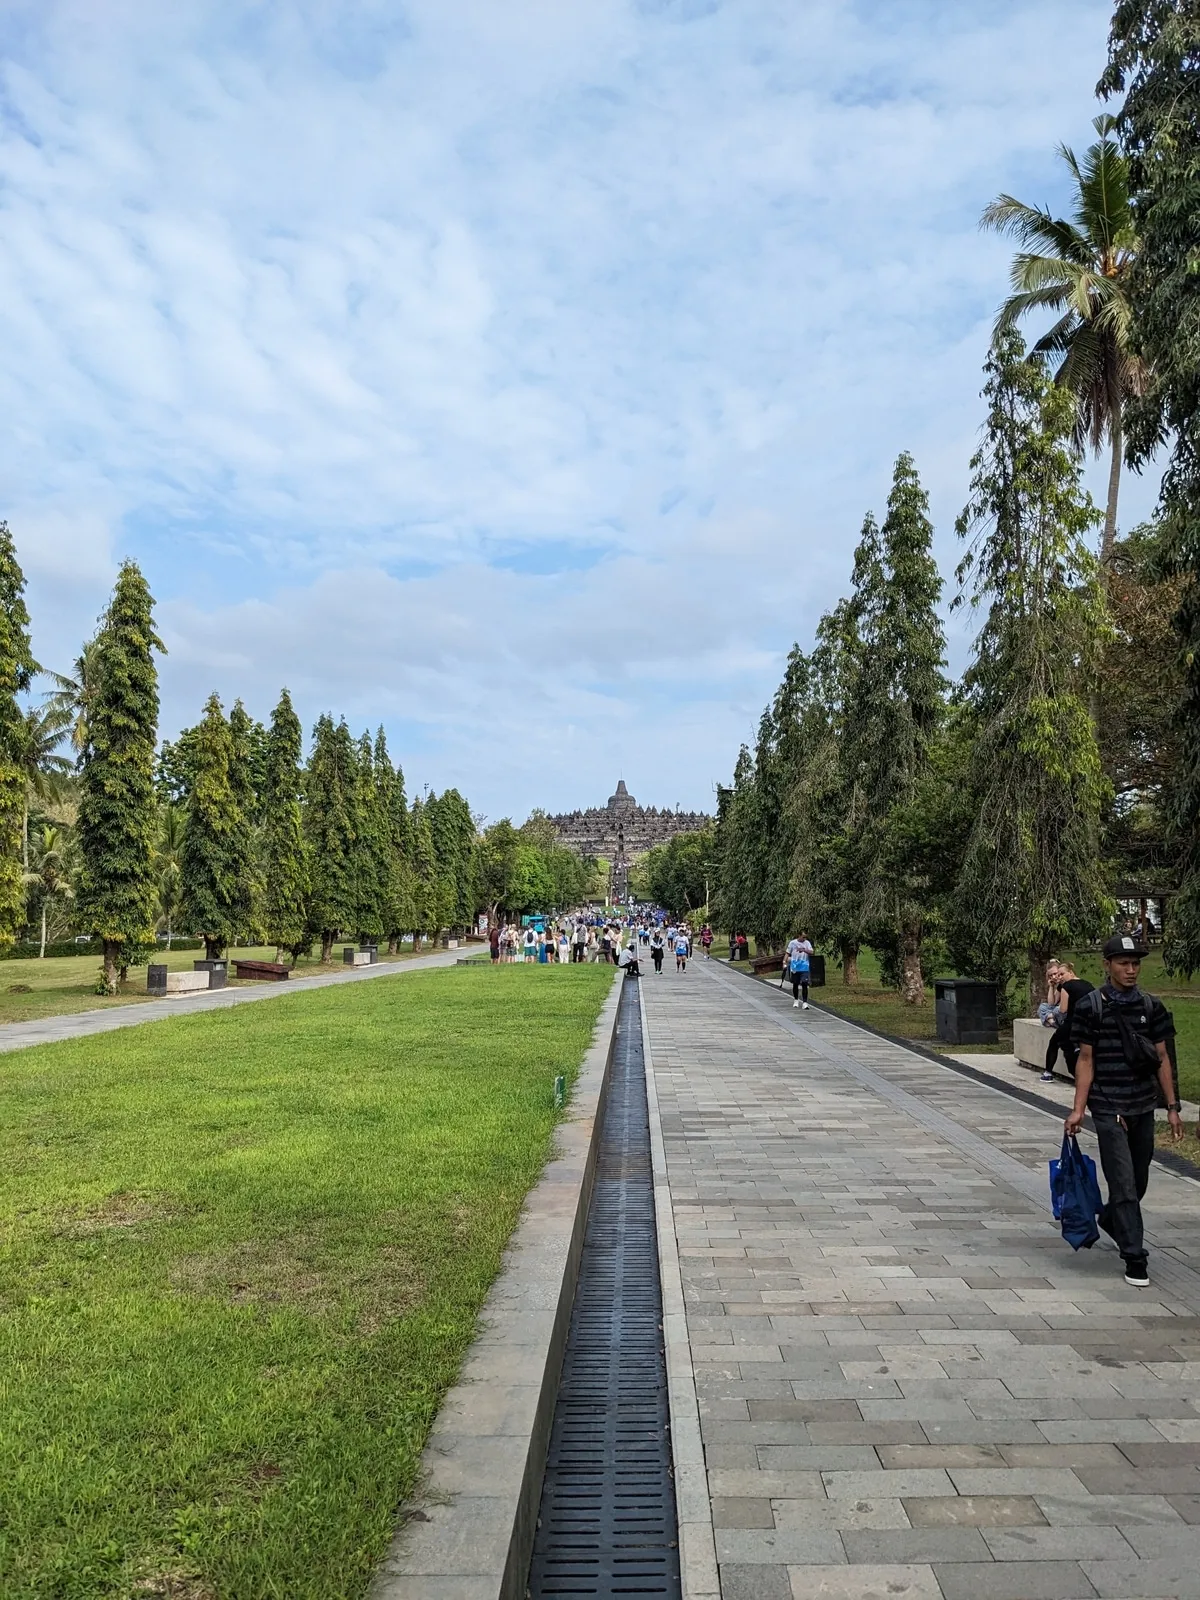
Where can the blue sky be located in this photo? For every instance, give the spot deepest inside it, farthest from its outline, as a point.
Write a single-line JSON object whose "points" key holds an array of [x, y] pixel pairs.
{"points": [[515, 375]]}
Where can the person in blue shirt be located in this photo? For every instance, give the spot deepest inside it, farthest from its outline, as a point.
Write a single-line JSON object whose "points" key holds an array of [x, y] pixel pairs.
{"points": [[798, 961]]}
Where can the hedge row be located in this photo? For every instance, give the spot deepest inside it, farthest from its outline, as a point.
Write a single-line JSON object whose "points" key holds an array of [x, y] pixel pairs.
{"points": [[90, 947]]}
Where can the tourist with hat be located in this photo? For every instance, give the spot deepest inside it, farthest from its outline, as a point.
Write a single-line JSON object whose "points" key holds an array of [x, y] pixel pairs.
{"points": [[1123, 1062]]}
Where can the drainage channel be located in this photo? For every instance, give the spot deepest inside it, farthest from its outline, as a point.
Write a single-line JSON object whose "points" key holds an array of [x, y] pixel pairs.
{"points": [[607, 1523]]}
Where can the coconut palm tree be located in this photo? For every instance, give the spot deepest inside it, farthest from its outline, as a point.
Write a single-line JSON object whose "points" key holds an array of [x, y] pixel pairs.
{"points": [[73, 695], [40, 732], [50, 876], [1081, 269]]}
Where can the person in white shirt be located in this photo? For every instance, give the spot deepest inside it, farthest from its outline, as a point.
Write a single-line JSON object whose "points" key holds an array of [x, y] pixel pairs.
{"points": [[798, 965]]}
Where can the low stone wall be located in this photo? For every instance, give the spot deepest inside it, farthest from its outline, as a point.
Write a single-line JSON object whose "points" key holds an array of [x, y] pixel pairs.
{"points": [[1031, 1040]]}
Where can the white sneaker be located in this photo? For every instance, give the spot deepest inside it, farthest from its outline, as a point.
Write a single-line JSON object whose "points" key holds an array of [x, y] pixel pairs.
{"points": [[804, 1007], [795, 1005]]}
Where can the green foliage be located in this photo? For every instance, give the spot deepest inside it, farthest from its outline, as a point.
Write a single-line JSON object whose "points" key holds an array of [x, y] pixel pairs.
{"points": [[217, 865], [400, 905], [117, 810], [17, 668], [676, 875], [1083, 269], [1154, 47], [287, 882], [426, 878], [453, 831], [371, 843], [1031, 876], [330, 832]]}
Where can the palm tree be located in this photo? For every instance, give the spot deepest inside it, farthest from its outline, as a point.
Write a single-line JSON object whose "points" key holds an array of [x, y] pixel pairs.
{"points": [[1081, 269], [167, 852], [73, 695], [40, 733], [51, 873]]}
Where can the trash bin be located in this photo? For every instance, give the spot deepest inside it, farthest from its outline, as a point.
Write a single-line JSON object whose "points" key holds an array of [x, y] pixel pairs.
{"points": [[966, 1011], [816, 976], [218, 972]]}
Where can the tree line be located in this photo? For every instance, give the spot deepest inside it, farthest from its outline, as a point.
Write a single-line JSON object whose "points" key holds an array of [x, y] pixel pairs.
{"points": [[228, 832], [986, 822]]}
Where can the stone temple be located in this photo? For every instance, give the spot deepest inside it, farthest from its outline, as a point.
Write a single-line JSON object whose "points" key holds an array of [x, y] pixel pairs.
{"points": [[622, 822]]}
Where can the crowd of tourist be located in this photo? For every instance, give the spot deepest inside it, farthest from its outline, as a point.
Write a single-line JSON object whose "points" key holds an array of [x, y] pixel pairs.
{"points": [[582, 936]]}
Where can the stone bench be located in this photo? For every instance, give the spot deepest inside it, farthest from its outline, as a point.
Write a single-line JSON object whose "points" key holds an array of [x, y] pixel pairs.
{"points": [[270, 971], [160, 981], [359, 958], [1030, 1042]]}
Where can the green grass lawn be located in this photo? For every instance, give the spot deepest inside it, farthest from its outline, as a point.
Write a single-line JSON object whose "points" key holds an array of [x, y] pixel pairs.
{"points": [[241, 1257], [60, 984]]}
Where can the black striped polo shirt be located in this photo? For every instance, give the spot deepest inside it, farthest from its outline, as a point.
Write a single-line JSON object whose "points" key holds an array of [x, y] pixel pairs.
{"points": [[1116, 1087]]}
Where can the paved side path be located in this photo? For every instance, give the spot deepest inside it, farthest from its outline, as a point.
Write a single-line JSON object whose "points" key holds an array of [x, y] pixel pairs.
{"points": [[909, 1385], [76, 1025]]}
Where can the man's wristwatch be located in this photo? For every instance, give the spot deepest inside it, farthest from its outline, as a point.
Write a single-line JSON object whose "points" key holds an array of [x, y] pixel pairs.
{"points": [[1176, 1105]]}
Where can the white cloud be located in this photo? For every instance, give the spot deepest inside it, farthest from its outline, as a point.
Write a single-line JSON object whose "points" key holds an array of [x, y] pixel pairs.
{"points": [[348, 321]]}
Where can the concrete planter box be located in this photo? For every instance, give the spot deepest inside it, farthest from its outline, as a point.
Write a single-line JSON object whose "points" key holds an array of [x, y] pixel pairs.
{"points": [[218, 972], [1031, 1042], [160, 981], [358, 958]]}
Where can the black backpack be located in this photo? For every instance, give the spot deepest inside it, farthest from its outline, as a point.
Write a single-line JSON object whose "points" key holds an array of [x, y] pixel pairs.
{"points": [[1139, 1050]]}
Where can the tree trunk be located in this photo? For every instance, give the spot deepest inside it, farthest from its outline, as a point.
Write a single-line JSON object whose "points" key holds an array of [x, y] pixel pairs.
{"points": [[912, 981], [1038, 961], [326, 946], [112, 958], [416, 942], [168, 935], [25, 836], [213, 948], [849, 949], [1114, 488], [392, 942], [42, 951]]}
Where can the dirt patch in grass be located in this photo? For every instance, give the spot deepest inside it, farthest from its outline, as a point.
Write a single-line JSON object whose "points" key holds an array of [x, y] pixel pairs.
{"points": [[305, 1272], [127, 1210], [173, 1586]]}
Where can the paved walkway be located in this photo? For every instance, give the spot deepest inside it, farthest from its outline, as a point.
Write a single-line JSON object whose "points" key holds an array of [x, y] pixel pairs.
{"points": [[77, 1024], [908, 1385]]}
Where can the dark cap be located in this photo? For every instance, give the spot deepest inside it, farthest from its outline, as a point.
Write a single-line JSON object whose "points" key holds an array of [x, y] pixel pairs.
{"points": [[1123, 944]]}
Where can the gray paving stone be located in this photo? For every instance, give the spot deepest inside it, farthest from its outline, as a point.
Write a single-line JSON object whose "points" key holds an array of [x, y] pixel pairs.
{"points": [[755, 1583], [809, 1546], [905, 1545], [742, 1512], [1062, 1544], [864, 1583], [1128, 1580], [1014, 1580], [974, 1511]]}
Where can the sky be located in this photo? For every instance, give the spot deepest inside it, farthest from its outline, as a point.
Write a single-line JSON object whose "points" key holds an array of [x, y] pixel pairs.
{"points": [[516, 375]]}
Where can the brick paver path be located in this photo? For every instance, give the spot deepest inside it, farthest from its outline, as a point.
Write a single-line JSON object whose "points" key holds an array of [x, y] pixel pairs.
{"points": [[909, 1385]]}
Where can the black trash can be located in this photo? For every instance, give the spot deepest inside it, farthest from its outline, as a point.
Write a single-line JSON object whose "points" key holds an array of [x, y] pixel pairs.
{"points": [[966, 1011], [218, 972], [816, 975]]}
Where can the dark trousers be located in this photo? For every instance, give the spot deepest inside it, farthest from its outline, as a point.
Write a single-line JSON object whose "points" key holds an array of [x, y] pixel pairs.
{"points": [[1062, 1041], [799, 985], [1126, 1149], [657, 956], [577, 952]]}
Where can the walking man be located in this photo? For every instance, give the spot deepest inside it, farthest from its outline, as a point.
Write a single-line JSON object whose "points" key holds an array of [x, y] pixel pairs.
{"points": [[1123, 1062], [799, 965]]}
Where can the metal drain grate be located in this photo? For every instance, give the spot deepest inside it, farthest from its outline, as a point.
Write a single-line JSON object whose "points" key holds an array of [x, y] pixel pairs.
{"points": [[607, 1522]]}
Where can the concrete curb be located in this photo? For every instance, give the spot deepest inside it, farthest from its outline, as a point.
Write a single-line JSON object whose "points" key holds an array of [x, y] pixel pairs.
{"points": [[468, 1531], [693, 1507]]}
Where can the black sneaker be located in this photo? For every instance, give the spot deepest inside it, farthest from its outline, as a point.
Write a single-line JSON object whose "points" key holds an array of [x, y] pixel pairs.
{"points": [[1137, 1272]]}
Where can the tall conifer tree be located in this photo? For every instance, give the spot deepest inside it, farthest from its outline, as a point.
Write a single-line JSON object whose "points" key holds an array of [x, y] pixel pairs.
{"points": [[427, 885], [285, 855], [17, 669], [896, 702], [117, 824], [1031, 877], [371, 853], [216, 865], [329, 830], [398, 916]]}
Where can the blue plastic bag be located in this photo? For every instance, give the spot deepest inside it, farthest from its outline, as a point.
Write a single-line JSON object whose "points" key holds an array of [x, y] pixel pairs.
{"points": [[1075, 1195]]}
